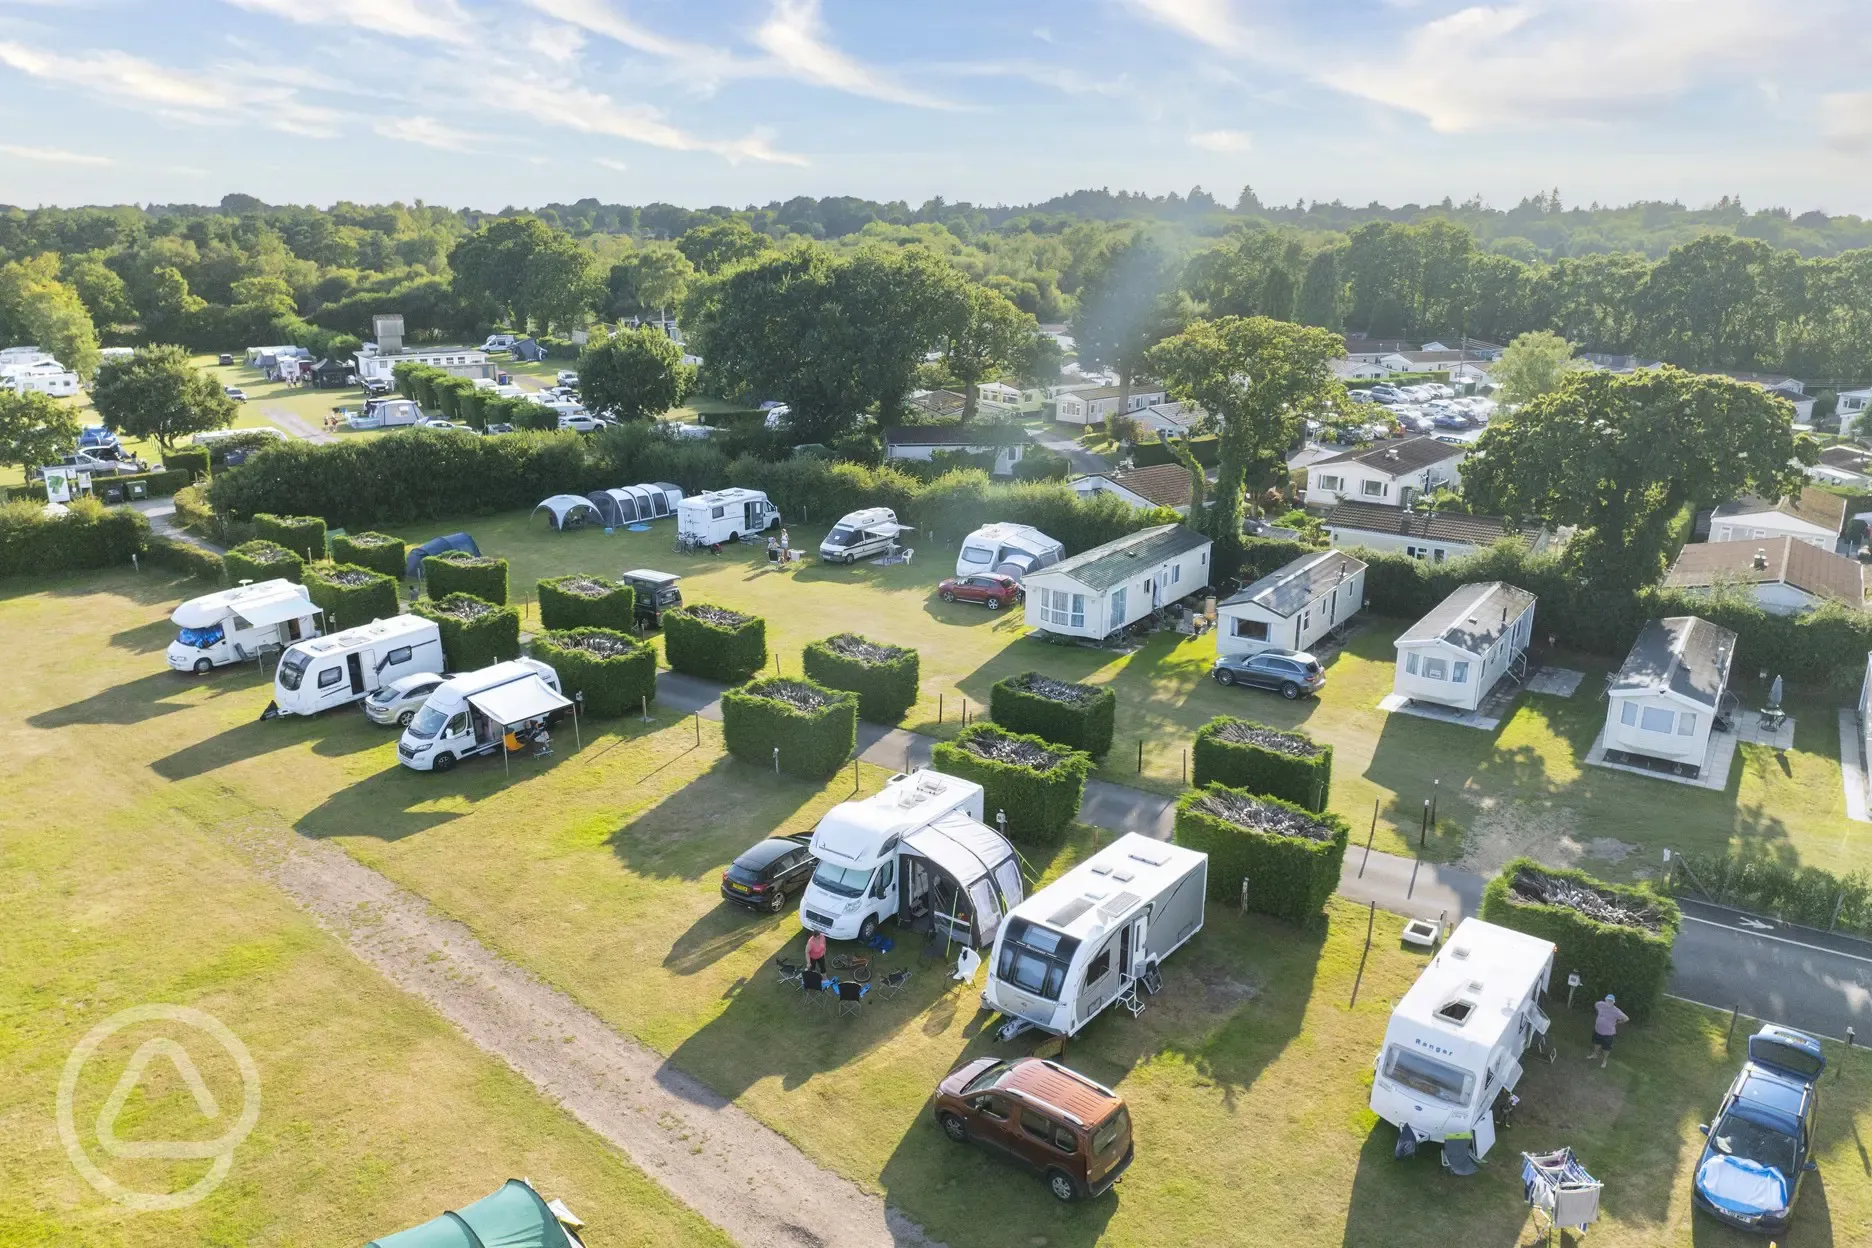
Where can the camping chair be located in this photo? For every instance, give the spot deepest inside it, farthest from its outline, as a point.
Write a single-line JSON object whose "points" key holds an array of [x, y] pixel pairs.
{"points": [[812, 987], [893, 984], [788, 971], [967, 963], [851, 995]]}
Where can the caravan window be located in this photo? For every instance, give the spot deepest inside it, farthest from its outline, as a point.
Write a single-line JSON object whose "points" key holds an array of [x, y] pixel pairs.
{"points": [[1034, 959], [402, 654], [977, 554], [1100, 967], [330, 676], [1424, 1074], [292, 669]]}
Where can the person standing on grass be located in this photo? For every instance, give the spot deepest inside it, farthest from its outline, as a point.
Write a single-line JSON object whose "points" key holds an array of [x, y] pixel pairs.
{"points": [[815, 952], [1606, 1018]]}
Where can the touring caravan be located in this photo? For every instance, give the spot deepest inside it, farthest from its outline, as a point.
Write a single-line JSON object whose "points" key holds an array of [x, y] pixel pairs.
{"points": [[472, 713], [235, 625], [1097, 934], [724, 515], [349, 666], [1455, 1040], [860, 535], [1010, 549], [917, 848]]}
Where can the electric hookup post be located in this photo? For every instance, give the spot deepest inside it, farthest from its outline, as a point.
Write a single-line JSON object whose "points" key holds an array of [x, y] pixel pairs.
{"points": [[1572, 986]]}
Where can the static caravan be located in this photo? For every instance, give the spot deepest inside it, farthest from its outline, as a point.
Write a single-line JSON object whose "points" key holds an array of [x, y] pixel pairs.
{"points": [[724, 515], [1455, 1040], [1111, 587], [349, 666], [1010, 549], [860, 535], [235, 625], [1453, 656], [1293, 607], [1086, 939], [472, 713], [55, 382], [1667, 697]]}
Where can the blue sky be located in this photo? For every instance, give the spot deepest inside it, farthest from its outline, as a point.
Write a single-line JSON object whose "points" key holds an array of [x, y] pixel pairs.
{"points": [[744, 101]]}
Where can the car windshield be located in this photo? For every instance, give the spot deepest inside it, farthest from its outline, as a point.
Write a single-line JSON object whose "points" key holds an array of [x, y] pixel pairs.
{"points": [[1738, 1136], [292, 668], [976, 554], [845, 881], [1110, 1132], [427, 723], [1428, 1076], [201, 638], [842, 536], [989, 1078]]}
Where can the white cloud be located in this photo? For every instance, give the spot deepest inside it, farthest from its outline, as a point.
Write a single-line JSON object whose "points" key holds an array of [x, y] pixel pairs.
{"points": [[795, 37], [592, 112], [430, 133], [598, 17], [556, 43], [441, 20], [1058, 77], [53, 156], [1222, 140], [1847, 118], [1207, 21], [608, 163]]}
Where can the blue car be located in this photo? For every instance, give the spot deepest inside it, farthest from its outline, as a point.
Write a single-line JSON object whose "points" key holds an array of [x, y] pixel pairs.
{"points": [[1761, 1141]]}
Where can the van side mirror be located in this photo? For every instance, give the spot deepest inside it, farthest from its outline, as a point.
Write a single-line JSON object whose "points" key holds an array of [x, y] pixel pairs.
{"points": [[1703, 1127]]}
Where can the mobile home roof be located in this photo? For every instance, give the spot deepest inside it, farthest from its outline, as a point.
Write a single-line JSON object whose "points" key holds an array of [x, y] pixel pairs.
{"points": [[1118, 561], [1473, 617]]}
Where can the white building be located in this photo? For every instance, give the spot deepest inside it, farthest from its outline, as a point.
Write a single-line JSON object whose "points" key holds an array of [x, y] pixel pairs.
{"points": [[1470, 640], [1853, 405], [1115, 585], [925, 441], [1390, 473], [996, 396], [1842, 465], [1092, 406], [1293, 607], [1433, 536], [1785, 576], [38, 375], [1665, 699], [378, 365], [1815, 517]]}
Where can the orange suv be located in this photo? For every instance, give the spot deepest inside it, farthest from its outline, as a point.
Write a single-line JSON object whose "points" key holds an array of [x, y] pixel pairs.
{"points": [[1055, 1121]]}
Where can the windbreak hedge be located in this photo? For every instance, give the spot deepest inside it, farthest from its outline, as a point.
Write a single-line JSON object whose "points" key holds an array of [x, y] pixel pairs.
{"points": [[261, 560], [190, 459], [1752, 881], [714, 642], [580, 601], [885, 678], [87, 536], [1078, 716], [1289, 855], [1035, 782], [303, 535], [614, 673], [476, 633], [179, 556], [1617, 936], [1277, 762], [814, 728], [458, 572], [377, 551], [351, 595]]}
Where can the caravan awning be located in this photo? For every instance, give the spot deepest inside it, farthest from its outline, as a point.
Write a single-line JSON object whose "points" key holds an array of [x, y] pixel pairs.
{"points": [[276, 611], [517, 701]]}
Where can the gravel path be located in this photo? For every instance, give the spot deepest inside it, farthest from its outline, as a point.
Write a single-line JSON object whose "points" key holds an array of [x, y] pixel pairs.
{"points": [[297, 426], [745, 1178]]}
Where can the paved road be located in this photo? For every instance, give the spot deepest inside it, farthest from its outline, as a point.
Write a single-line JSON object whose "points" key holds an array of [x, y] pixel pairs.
{"points": [[1081, 460]]}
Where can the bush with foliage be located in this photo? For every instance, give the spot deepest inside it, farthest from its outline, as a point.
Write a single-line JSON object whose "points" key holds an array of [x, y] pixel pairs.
{"points": [[885, 678], [261, 560], [1794, 894], [114, 489], [377, 551], [476, 633], [160, 551], [1275, 762], [248, 442], [1081, 717], [89, 535], [1289, 855], [1038, 785], [714, 642], [1617, 936], [458, 572], [303, 535], [814, 728], [580, 601], [351, 595], [611, 673]]}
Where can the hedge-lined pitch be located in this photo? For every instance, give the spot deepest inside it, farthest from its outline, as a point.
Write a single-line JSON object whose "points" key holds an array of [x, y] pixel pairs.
{"points": [[350, 595], [885, 678], [1280, 762], [714, 642], [580, 601], [1078, 716], [377, 551], [303, 535], [458, 572], [814, 728], [1289, 855], [475, 632], [261, 560], [1035, 783], [613, 672]]}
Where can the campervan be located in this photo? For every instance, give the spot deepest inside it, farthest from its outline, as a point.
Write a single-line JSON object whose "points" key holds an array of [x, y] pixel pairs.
{"points": [[1097, 934], [1010, 549], [472, 713], [1455, 1040], [349, 666], [235, 625], [724, 515], [860, 535], [917, 848]]}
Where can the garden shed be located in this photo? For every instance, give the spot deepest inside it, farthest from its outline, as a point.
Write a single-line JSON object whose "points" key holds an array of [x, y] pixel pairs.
{"points": [[1292, 607], [1113, 586], [1667, 696], [1470, 640]]}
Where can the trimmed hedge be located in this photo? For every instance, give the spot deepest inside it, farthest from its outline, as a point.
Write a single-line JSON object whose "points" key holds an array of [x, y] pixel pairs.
{"points": [[261, 560], [1277, 762], [1038, 784], [1630, 958], [88, 536], [161, 485], [377, 551], [458, 572], [1753, 880], [610, 672], [1289, 855], [714, 642], [885, 678], [166, 552], [303, 535], [814, 728], [476, 633], [189, 459], [1079, 716], [580, 601], [351, 595]]}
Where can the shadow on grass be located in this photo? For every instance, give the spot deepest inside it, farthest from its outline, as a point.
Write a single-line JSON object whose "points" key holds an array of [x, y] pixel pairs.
{"points": [[701, 827], [398, 801], [721, 932], [145, 638], [333, 734], [145, 698]]}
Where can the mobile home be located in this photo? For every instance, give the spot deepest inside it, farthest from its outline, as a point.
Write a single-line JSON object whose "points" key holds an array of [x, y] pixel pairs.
{"points": [[1666, 699], [235, 625], [1470, 640], [1293, 607], [1010, 549], [1455, 1040], [1088, 938], [349, 666], [1111, 587], [725, 515], [472, 713]]}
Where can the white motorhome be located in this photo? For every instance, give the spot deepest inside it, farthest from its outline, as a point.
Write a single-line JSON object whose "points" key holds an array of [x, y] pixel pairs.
{"points": [[349, 666], [1010, 549], [236, 625], [1097, 934], [1455, 1040], [860, 535], [472, 713], [915, 848], [724, 515]]}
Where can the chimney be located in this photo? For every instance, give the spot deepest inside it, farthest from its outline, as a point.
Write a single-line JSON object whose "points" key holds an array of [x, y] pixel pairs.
{"points": [[1761, 559]]}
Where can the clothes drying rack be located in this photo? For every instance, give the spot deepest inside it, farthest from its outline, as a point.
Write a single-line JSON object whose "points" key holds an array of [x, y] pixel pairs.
{"points": [[1560, 1192]]}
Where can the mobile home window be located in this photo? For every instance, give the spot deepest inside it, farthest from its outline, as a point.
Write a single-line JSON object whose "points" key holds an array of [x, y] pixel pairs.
{"points": [[1331, 483], [1372, 489], [1656, 719], [1686, 725], [402, 654], [1435, 669], [1252, 630], [1628, 712], [1410, 662], [1460, 673]]}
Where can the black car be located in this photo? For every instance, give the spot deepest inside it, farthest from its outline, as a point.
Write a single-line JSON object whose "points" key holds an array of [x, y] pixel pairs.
{"points": [[766, 876], [1291, 673]]}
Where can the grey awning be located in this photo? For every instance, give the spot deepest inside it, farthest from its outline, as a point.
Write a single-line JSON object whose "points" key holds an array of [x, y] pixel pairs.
{"points": [[518, 701]]}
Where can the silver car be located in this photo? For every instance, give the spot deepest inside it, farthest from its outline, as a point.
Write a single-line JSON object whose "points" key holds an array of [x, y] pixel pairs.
{"points": [[397, 702]]}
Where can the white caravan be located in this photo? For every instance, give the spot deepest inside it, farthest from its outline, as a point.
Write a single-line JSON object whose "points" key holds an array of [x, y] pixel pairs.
{"points": [[915, 848], [347, 667], [472, 713], [724, 515], [1010, 549], [1097, 934], [236, 625], [1455, 1040], [860, 535]]}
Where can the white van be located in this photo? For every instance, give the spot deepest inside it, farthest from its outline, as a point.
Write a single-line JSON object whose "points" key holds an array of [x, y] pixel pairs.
{"points": [[1010, 549], [724, 515], [235, 625], [470, 714], [347, 667], [860, 535]]}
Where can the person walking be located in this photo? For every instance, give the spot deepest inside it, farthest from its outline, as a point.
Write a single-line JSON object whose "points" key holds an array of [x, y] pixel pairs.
{"points": [[1606, 1018], [815, 952]]}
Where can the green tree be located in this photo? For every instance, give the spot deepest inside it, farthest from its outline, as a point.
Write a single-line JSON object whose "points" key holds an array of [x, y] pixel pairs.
{"points": [[1126, 307], [1258, 380], [561, 283], [166, 304], [38, 308], [982, 336], [649, 279], [713, 247], [35, 429], [158, 394], [1620, 456], [633, 374], [494, 264], [1322, 292], [1534, 364], [885, 313], [105, 296]]}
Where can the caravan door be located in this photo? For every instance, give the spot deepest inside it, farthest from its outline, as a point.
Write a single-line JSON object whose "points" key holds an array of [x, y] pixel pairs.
{"points": [[1485, 1132], [354, 670], [753, 515]]}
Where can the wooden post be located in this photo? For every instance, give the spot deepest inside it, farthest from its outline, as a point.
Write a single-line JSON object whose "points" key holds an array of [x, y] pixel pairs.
{"points": [[1730, 1038], [698, 727], [854, 777], [1369, 836], [1140, 766], [1186, 764], [1371, 917], [939, 708]]}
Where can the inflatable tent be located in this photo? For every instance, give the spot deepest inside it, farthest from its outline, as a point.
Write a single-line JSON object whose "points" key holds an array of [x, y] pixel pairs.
{"points": [[412, 566], [569, 510]]}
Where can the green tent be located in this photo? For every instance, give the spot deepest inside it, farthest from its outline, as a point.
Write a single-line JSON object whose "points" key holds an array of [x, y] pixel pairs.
{"points": [[513, 1217]]}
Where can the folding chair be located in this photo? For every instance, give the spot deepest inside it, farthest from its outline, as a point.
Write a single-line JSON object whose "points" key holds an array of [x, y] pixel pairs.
{"points": [[788, 971], [851, 995], [893, 984], [812, 987]]}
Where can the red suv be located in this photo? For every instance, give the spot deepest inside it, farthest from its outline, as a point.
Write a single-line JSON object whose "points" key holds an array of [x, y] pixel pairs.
{"points": [[991, 588], [1075, 1132]]}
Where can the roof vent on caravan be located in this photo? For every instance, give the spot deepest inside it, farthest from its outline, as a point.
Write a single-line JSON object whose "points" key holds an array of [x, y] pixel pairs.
{"points": [[926, 787], [1117, 905], [1070, 911], [1457, 1011], [1124, 875], [1459, 952], [1101, 868], [1152, 857]]}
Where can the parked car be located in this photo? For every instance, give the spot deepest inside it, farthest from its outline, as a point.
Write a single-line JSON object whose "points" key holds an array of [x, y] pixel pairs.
{"points": [[235, 392], [431, 422], [1386, 394], [584, 424], [226, 360], [770, 873], [566, 377], [991, 589], [501, 427], [378, 385], [1041, 1115], [107, 461], [1291, 673], [1761, 1141], [91, 437], [397, 702]]}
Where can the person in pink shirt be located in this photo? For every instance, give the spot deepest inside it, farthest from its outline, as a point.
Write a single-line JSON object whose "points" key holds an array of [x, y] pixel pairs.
{"points": [[815, 952], [1606, 1018]]}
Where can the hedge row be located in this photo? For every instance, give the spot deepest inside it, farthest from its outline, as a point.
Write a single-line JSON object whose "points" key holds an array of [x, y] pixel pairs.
{"points": [[261, 560], [885, 678], [714, 642], [1283, 763], [87, 536], [611, 673], [377, 551], [1618, 937], [581, 601], [177, 556], [1038, 785], [160, 484], [476, 633], [189, 459], [815, 729], [458, 398], [303, 535], [458, 572], [1289, 855], [1081, 717], [1804, 895], [351, 595]]}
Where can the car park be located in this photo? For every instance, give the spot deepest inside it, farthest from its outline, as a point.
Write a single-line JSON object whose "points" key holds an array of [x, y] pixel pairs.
{"points": [[236, 393], [397, 702], [770, 873], [1760, 1143], [1070, 1129], [1291, 673], [991, 589]]}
